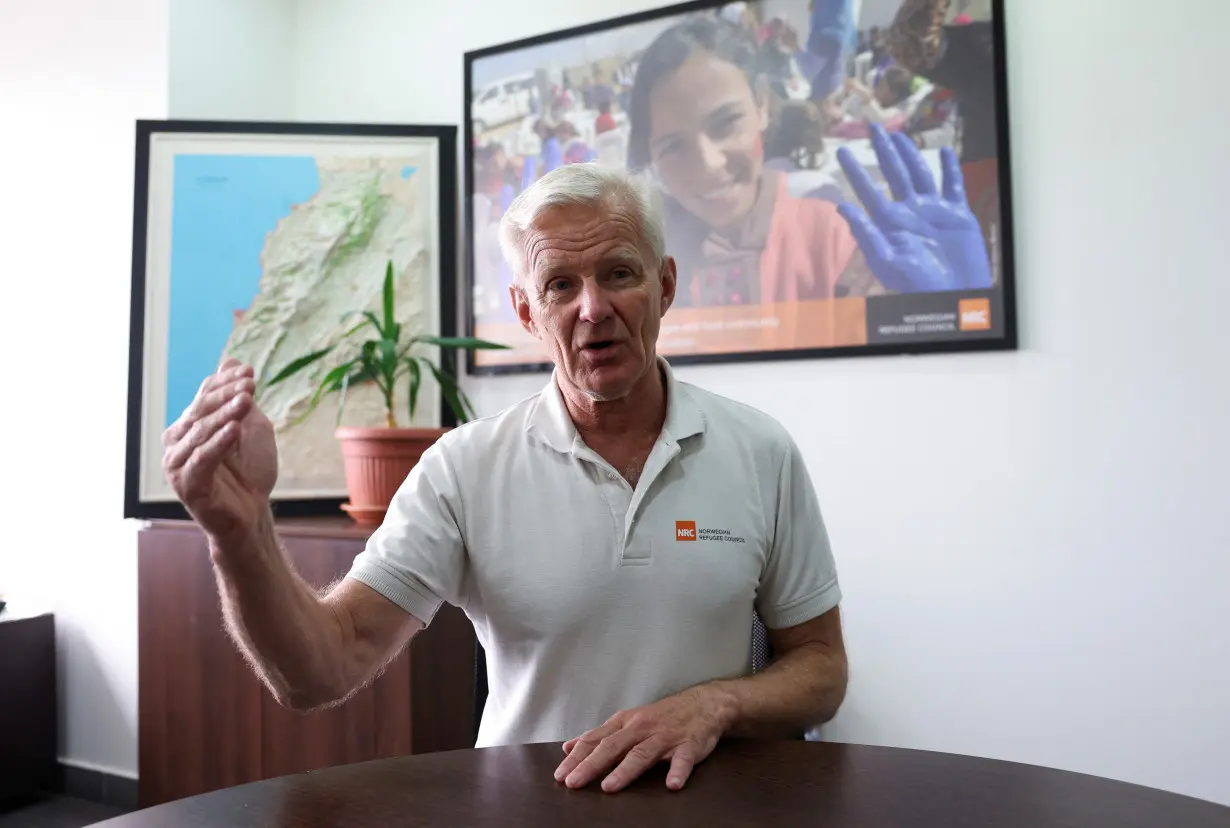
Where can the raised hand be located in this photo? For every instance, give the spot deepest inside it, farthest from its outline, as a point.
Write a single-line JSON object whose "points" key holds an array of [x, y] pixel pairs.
{"points": [[926, 240], [682, 729], [220, 456]]}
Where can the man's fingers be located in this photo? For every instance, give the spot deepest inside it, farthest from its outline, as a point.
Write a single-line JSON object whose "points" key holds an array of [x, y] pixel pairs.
{"points": [[224, 376], [176, 430], [205, 460], [201, 431], [211, 390], [681, 768], [582, 746], [641, 758], [600, 759], [206, 403]]}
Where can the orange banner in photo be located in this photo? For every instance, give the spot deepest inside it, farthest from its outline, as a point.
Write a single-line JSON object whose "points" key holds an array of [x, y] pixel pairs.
{"points": [[832, 323]]}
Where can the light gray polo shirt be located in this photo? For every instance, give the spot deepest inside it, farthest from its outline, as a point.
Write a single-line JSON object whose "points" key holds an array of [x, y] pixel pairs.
{"points": [[588, 596]]}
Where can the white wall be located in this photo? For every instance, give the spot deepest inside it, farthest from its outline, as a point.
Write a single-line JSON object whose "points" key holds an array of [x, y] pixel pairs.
{"points": [[74, 75], [1033, 545], [232, 59]]}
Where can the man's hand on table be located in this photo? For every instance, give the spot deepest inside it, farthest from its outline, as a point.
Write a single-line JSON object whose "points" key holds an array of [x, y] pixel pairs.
{"points": [[683, 729]]}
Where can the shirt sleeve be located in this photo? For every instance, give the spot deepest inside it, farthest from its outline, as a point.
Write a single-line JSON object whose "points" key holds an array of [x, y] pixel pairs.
{"points": [[799, 581], [417, 558]]}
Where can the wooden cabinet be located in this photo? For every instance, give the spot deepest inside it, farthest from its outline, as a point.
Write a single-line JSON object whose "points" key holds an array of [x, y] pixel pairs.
{"points": [[205, 720], [27, 701]]}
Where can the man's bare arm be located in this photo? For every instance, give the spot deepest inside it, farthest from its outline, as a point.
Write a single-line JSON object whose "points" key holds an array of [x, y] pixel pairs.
{"points": [[802, 688], [221, 459], [310, 650]]}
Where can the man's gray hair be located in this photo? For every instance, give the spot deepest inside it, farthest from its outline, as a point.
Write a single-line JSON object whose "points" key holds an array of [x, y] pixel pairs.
{"points": [[583, 185]]}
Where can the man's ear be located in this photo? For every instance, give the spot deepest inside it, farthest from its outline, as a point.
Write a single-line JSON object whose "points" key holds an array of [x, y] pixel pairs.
{"points": [[670, 279], [521, 304]]}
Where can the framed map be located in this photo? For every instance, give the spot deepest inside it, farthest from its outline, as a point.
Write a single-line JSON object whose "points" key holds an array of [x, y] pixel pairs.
{"points": [[255, 240]]}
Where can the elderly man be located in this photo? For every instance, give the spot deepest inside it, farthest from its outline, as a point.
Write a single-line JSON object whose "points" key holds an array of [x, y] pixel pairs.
{"points": [[609, 538]]}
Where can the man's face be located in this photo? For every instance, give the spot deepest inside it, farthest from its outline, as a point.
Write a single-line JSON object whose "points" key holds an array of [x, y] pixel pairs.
{"points": [[594, 294]]}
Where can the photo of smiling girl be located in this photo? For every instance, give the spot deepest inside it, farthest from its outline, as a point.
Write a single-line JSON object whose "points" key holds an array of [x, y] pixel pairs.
{"points": [[699, 111]]}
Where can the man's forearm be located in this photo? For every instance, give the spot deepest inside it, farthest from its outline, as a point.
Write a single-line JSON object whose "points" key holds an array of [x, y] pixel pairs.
{"points": [[292, 639], [802, 689]]}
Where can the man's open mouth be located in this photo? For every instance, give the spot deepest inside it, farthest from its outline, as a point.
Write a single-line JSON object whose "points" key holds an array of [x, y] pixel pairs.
{"points": [[600, 345]]}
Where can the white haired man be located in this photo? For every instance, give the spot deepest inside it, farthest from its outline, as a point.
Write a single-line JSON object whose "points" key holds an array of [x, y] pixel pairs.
{"points": [[609, 538]]}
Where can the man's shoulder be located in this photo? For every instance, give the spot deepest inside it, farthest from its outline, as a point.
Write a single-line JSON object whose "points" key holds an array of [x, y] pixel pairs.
{"points": [[729, 417]]}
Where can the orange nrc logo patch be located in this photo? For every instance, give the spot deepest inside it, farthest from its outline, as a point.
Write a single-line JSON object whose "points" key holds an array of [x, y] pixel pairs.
{"points": [[975, 314], [685, 530]]}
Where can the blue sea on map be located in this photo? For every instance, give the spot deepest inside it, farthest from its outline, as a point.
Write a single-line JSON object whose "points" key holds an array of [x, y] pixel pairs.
{"points": [[223, 209]]}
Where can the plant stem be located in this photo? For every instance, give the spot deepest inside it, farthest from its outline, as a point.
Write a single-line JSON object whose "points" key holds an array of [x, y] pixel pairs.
{"points": [[390, 420]]}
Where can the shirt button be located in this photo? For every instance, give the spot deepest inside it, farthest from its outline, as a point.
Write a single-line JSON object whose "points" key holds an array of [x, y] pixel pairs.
{"points": [[612, 475]]}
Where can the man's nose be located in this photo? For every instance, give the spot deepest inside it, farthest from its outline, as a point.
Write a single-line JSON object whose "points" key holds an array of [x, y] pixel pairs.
{"points": [[595, 303]]}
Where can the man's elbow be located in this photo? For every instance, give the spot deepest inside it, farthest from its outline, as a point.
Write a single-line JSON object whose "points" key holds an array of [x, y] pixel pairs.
{"points": [[305, 698], [301, 702], [842, 683], [834, 692]]}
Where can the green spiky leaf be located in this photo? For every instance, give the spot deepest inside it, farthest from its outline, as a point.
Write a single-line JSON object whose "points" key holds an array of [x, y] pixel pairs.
{"points": [[460, 342], [327, 383], [448, 387], [299, 364], [387, 303], [416, 382], [371, 317]]}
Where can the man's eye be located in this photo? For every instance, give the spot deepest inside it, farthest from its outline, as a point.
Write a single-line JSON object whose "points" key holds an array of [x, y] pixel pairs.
{"points": [[556, 285]]}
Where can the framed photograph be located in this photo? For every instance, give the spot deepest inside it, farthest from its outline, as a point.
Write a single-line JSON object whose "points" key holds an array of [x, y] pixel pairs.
{"points": [[834, 174], [260, 241]]}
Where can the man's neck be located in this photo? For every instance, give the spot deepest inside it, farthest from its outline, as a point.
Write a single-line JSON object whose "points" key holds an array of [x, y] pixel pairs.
{"points": [[639, 414]]}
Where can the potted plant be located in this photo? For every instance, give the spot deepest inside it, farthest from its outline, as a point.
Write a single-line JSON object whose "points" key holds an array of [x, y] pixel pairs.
{"points": [[377, 460]]}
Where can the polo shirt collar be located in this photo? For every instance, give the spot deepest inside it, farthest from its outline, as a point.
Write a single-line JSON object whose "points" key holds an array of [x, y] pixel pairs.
{"points": [[551, 423]]}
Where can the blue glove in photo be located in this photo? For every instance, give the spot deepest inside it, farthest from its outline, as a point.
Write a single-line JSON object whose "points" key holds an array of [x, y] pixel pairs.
{"points": [[926, 240]]}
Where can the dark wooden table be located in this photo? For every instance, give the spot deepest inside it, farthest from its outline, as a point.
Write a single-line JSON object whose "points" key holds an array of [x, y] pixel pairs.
{"points": [[742, 784]]}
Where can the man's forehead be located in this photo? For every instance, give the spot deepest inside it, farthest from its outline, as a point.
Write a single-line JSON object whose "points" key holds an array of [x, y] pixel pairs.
{"points": [[565, 238]]}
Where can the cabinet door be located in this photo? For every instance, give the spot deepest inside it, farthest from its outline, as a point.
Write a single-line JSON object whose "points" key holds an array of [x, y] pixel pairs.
{"points": [[200, 704], [373, 724]]}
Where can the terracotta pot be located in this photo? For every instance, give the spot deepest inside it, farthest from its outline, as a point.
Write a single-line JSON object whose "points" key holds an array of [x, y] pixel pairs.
{"points": [[377, 460]]}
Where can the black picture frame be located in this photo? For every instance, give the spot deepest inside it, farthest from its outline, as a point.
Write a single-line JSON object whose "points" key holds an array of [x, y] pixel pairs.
{"points": [[1006, 290], [445, 137]]}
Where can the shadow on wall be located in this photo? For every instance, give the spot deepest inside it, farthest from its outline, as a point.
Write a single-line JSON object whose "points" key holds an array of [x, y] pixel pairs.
{"points": [[94, 717]]}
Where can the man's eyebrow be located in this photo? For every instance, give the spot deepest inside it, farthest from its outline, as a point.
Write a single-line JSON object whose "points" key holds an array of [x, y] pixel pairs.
{"points": [[551, 271], [626, 256], [623, 255]]}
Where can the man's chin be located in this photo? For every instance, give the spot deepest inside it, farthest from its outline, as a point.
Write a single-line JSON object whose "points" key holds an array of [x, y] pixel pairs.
{"points": [[605, 383], [607, 390]]}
